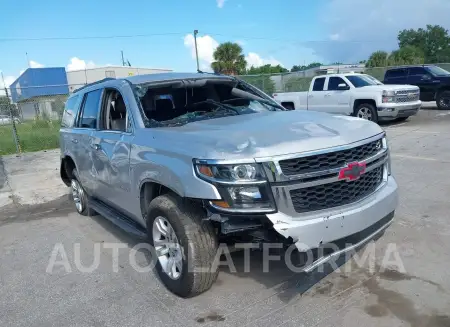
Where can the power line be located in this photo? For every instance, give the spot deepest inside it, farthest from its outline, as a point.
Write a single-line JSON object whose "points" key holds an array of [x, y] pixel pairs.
{"points": [[291, 40], [51, 38]]}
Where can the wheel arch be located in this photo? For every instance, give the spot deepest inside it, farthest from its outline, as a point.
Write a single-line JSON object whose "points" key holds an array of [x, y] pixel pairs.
{"points": [[66, 168]]}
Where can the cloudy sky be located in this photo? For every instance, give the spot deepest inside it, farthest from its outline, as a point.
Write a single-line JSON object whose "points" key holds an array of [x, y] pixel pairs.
{"points": [[159, 34]]}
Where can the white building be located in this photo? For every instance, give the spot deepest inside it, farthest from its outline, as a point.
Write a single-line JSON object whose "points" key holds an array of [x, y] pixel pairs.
{"points": [[78, 78]]}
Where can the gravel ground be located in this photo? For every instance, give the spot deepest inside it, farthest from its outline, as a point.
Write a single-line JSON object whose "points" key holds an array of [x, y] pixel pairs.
{"points": [[354, 295]]}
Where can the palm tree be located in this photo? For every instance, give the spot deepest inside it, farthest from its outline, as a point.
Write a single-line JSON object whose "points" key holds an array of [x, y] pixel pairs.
{"points": [[229, 59]]}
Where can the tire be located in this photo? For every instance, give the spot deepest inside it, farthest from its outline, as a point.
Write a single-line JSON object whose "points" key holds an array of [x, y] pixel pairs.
{"points": [[82, 206], [443, 100], [196, 239], [366, 111]]}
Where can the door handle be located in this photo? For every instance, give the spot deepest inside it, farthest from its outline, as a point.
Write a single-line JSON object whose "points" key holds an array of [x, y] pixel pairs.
{"points": [[74, 141], [310, 95], [95, 146], [327, 94]]}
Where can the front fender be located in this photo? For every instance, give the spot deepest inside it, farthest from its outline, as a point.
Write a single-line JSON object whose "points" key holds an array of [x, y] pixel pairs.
{"points": [[175, 173]]}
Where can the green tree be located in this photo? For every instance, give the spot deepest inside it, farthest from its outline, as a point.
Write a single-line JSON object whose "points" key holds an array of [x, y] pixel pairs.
{"points": [[377, 59], [407, 55], [266, 69], [299, 68], [229, 59], [434, 42]]}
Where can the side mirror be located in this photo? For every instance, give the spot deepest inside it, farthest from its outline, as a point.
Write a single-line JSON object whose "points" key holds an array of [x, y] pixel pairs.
{"points": [[343, 86]]}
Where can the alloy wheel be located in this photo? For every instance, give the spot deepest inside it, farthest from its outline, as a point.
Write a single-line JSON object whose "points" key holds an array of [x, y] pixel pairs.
{"points": [[167, 247], [78, 195], [365, 113]]}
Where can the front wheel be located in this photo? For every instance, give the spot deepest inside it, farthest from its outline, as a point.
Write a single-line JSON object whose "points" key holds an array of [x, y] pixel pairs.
{"points": [[443, 100], [185, 245], [366, 111]]}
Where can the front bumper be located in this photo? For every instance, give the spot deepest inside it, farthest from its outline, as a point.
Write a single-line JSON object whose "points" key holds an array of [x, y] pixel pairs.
{"points": [[389, 111], [313, 230]]}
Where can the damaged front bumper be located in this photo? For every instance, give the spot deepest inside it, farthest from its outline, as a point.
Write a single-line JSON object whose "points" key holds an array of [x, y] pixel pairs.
{"points": [[311, 231]]}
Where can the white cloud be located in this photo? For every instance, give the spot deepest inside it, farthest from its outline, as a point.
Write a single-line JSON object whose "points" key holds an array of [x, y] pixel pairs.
{"points": [[205, 45], [35, 64], [240, 42], [79, 64], [334, 37], [8, 81], [356, 28], [255, 60], [220, 3]]}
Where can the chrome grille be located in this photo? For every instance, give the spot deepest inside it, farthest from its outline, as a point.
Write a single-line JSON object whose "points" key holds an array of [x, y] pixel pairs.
{"points": [[336, 194], [329, 160], [407, 96]]}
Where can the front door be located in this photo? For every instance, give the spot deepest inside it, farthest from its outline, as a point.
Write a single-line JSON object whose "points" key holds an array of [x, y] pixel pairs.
{"points": [[111, 146], [424, 80]]}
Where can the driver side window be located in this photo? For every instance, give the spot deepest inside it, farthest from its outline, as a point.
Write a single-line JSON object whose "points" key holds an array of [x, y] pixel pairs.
{"points": [[114, 112]]}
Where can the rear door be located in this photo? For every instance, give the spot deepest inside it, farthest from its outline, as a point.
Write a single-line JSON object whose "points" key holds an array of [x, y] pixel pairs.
{"points": [[82, 138], [396, 76], [420, 77], [337, 101], [316, 96]]}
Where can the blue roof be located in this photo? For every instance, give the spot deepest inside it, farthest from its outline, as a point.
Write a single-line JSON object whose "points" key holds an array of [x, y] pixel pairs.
{"points": [[35, 82]]}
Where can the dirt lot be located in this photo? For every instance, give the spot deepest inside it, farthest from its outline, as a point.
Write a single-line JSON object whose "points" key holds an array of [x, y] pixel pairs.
{"points": [[352, 296]]}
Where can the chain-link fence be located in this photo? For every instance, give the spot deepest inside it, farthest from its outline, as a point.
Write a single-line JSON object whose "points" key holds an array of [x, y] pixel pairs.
{"points": [[32, 124], [300, 81]]}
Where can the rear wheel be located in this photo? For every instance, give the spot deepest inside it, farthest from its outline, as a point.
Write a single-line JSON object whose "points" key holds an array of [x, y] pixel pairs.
{"points": [[79, 196], [443, 100], [366, 111], [185, 245]]}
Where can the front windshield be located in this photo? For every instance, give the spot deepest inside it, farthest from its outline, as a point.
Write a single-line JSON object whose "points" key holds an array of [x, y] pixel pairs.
{"points": [[185, 101], [363, 80], [437, 71]]}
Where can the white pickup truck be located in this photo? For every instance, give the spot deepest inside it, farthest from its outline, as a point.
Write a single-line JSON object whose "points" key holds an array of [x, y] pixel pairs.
{"points": [[353, 94]]}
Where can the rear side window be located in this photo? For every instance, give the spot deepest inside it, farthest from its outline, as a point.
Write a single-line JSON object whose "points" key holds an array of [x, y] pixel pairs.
{"points": [[318, 84], [395, 73], [91, 107], [70, 111], [333, 83]]}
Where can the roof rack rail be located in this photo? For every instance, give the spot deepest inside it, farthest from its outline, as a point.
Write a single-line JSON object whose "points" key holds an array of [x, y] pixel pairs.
{"points": [[93, 83]]}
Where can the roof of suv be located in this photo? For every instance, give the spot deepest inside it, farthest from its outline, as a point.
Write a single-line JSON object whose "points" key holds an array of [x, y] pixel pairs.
{"points": [[409, 66], [148, 78], [159, 77]]}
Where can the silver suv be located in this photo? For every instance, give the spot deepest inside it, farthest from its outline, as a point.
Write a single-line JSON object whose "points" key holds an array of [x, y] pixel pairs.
{"points": [[194, 160]]}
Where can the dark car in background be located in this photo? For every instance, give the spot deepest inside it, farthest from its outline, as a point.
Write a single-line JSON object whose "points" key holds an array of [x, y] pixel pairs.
{"points": [[433, 81]]}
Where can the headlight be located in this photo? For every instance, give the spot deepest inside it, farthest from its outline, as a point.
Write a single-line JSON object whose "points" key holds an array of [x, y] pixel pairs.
{"points": [[388, 96], [243, 187]]}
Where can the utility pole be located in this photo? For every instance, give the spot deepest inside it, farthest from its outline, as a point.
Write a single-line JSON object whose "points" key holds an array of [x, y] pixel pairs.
{"points": [[196, 50], [123, 61], [28, 60]]}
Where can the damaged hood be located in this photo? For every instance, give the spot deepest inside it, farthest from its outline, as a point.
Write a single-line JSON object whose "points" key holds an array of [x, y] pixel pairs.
{"points": [[261, 135]]}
